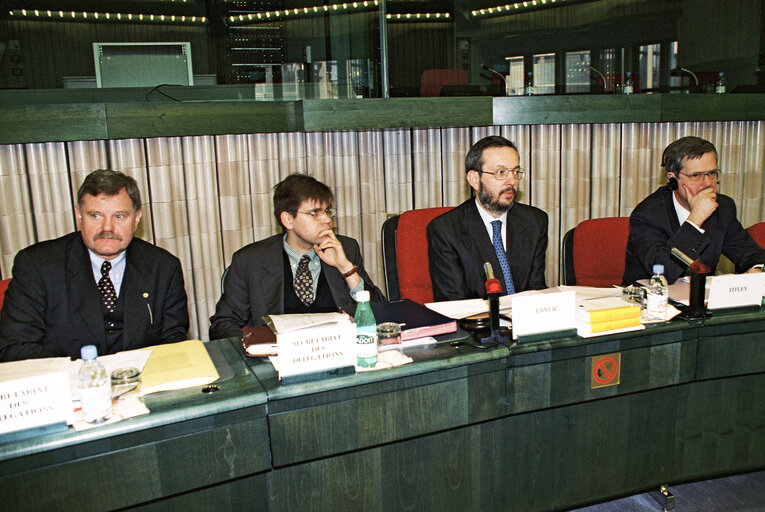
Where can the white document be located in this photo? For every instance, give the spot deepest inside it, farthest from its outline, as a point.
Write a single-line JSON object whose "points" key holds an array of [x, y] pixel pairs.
{"points": [[291, 322], [130, 358]]}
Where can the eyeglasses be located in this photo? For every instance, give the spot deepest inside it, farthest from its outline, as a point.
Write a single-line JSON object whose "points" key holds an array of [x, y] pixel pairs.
{"points": [[317, 212], [696, 177], [501, 174]]}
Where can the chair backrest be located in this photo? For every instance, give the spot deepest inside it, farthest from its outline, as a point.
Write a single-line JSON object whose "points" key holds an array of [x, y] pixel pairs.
{"points": [[433, 80], [595, 252], [405, 254], [3, 286], [757, 232]]}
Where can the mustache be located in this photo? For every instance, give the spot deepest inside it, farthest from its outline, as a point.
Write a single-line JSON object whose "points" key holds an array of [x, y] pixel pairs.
{"points": [[108, 235], [508, 189]]}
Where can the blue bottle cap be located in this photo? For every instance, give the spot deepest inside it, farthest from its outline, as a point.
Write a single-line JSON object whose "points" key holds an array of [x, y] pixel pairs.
{"points": [[88, 352], [658, 268]]}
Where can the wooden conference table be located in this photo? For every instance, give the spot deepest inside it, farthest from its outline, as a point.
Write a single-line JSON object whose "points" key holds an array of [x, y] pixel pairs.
{"points": [[509, 428]]}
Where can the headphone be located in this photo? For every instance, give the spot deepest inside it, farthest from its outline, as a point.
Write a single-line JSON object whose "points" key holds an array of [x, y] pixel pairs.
{"points": [[672, 184]]}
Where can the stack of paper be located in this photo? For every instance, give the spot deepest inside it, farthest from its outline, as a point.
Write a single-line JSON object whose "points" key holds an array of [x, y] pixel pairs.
{"points": [[606, 314]]}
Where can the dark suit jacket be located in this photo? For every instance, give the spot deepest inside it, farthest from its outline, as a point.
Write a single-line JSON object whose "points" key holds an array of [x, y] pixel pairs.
{"points": [[53, 306], [459, 245], [253, 285], [655, 230]]}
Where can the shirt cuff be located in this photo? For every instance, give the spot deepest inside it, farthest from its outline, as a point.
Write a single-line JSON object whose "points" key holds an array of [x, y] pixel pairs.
{"points": [[357, 288], [695, 226]]}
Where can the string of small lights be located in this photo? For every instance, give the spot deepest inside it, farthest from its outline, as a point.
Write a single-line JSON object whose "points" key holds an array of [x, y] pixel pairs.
{"points": [[105, 16], [502, 10], [301, 12]]}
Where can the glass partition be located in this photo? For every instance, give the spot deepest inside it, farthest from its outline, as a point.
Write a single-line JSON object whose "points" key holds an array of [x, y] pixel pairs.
{"points": [[294, 49]]}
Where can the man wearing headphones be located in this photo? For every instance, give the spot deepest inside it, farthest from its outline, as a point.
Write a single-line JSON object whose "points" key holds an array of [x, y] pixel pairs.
{"points": [[689, 214]]}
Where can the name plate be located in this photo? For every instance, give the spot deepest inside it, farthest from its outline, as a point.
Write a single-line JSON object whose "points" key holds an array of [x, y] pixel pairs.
{"points": [[34, 401], [315, 349], [543, 312], [736, 290]]}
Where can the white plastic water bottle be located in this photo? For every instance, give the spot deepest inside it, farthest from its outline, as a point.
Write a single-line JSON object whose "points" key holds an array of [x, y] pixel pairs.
{"points": [[95, 387], [366, 331], [629, 85], [721, 83], [658, 293]]}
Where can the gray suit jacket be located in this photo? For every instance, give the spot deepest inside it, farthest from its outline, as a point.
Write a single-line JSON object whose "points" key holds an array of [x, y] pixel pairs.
{"points": [[53, 306], [458, 246], [254, 285]]}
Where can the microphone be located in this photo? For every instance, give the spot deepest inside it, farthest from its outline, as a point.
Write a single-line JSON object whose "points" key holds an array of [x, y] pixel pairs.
{"points": [[695, 266], [492, 283], [699, 271], [602, 77], [495, 72]]}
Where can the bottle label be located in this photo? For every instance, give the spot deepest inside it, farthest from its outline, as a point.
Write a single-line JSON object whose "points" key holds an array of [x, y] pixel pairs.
{"points": [[96, 402], [627, 89], [656, 306], [366, 344], [720, 89]]}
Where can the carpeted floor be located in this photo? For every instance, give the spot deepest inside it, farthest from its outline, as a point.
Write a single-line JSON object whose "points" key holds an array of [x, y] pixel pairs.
{"points": [[741, 493]]}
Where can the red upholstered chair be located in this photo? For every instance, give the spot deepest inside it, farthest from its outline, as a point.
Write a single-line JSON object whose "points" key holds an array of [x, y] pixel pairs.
{"points": [[432, 80], [594, 252], [757, 232], [3, 286], [405, 255]]}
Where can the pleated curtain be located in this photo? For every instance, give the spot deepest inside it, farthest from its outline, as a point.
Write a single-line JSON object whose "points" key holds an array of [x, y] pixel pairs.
{"points": [[205, 197]]}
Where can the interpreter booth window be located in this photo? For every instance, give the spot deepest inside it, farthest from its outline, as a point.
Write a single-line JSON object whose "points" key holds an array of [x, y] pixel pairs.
{"points": [[649, 60], [544, 73], [317, 52], [607, 70], [677, 77], [578, 71], [514, 82]]}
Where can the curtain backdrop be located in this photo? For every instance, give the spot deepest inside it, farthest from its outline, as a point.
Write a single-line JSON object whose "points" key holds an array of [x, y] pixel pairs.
{"points": [[205, 197]]}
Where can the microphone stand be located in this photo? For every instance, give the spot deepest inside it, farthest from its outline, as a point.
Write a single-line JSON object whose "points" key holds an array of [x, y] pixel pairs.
{"points": [[493, 290], [698, 272]]}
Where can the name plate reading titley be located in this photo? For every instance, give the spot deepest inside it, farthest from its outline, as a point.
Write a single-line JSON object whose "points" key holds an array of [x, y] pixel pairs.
{"points": [[316, 348], [543, 312], [28, 401], [736, 290]]}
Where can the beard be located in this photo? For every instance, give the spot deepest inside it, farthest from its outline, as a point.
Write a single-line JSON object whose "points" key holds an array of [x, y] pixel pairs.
{"points": [[493, 204]]}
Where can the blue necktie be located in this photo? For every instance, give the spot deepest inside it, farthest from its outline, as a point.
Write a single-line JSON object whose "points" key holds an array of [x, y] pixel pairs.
{"points": [[501, 256]]}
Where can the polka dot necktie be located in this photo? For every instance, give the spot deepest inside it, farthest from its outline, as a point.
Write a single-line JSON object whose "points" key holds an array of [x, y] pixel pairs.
{"points": [[502, 256], [304, 282], [106, 287]]}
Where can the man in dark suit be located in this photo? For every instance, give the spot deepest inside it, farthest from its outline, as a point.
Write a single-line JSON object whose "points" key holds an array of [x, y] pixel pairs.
{"points": [[99, 286], [491, 227], [307, 269], [690, 215]]}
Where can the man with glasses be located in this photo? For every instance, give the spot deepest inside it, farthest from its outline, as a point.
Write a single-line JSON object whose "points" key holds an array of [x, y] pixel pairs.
{"points": [[306, 269], [491, 227], [689, 214]]}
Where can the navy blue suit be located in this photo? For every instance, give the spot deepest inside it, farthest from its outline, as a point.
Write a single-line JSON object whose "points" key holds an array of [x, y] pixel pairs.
{"points": [[459, 245], [53, 307], [655, 230]]}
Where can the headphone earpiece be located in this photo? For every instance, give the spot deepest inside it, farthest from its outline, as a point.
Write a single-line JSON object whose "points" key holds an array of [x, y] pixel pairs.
{"points": [[672, 183]]}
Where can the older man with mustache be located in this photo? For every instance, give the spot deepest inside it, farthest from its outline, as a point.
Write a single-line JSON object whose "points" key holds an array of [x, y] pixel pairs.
{"points": [[490, 227], [99, 286]]}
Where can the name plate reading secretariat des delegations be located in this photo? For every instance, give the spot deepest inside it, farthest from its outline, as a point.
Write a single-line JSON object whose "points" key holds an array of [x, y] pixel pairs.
{"points": [[34, 397], [544, 312], [316, 348]]}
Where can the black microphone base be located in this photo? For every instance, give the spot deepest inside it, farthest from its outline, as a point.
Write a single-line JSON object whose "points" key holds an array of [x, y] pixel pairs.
{"points": [[492, 340]]}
